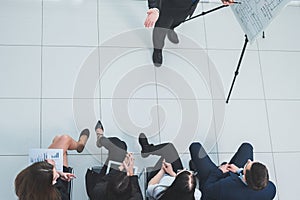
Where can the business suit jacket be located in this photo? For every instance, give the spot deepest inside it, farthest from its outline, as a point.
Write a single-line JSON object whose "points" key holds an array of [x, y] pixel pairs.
{"points": [[99, 192], [171, 14], [229, 186], [174, 8]]}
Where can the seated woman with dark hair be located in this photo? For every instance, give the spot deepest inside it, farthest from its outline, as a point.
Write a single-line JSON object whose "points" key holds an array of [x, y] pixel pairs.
{"points": [[183, 187], [119, 183], [36, 182], [163, 182], [41, 180], [123, 185]]}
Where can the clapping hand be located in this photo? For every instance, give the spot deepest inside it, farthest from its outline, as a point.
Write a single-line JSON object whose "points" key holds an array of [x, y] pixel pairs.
{"points": [[128, 164], [233, 168], [167, 167], [224, 168], [229, 168]]}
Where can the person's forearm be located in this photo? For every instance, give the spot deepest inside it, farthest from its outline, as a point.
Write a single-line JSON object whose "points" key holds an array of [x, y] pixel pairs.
{"points": [[157, 177], [173, 174]]}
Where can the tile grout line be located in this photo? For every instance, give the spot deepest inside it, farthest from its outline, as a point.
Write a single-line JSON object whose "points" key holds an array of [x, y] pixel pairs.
{"points": [[98, 26], [41, 64], [99, 81], [157, 101], [143, 47], [99, 61], [163, 99], [268, 119], [209, 74]]}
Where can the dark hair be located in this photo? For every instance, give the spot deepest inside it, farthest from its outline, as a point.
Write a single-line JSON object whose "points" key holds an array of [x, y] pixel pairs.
{"points": [[257, 177], [183, 187], [118, 187], [35, 183]]}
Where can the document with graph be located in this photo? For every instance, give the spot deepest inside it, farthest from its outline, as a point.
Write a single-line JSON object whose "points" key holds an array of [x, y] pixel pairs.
{"points": [[255, 15], [37, 155]]}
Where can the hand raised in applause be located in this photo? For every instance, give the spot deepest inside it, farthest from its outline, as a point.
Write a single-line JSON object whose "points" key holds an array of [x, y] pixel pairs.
{"points": [[167, 167], [128, 164], [224, 168], [233, 168]]}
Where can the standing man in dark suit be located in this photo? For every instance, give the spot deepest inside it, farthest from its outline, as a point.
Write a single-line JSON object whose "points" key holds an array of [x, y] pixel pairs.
{"points": [[241, 178], [167, 15]]}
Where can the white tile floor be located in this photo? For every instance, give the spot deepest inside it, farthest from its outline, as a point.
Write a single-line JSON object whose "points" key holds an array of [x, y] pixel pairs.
{"points": [[65, 64]]}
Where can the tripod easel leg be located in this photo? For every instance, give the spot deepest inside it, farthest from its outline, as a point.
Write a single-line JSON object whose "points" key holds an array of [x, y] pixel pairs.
{"points": [[206, 12], [238, 67]]}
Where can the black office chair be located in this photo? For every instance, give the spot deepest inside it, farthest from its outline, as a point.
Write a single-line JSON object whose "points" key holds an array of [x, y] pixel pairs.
{"points": [[65, 187], [91, 177]]}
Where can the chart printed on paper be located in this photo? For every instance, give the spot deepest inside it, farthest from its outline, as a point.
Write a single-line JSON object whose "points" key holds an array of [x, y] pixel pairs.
{"points": [[255, 15]]}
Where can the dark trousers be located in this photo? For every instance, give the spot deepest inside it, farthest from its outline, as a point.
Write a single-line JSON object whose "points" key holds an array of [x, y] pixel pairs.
{"points": [[168, 152], [204, 165], [117, 150], [170, 19], [162, 26]]}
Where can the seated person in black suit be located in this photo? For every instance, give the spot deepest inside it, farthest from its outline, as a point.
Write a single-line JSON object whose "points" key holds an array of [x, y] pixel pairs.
{"points": [[241, 178], [120, 183]]}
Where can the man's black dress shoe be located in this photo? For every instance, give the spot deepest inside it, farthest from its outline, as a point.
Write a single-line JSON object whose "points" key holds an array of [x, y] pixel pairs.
{"points": [[157, 57], [144, 144]]}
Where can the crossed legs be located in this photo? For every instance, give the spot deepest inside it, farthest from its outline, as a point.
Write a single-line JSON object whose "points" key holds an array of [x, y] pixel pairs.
{"points": [[117, 149], [204, 164], [166, 151], [66, 142]]}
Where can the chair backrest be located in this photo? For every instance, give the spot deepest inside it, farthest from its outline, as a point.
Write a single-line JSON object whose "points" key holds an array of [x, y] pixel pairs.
{"points": [[70, 183], [65, 187], [91, 177]]}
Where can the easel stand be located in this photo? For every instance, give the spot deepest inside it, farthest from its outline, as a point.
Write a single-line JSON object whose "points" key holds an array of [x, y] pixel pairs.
{"points": [[238, 67], [242, 54], [206, 12]]}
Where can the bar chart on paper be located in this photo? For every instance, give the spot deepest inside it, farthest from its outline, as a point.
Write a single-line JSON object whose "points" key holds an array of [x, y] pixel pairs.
{"points": [[38, 155]]}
